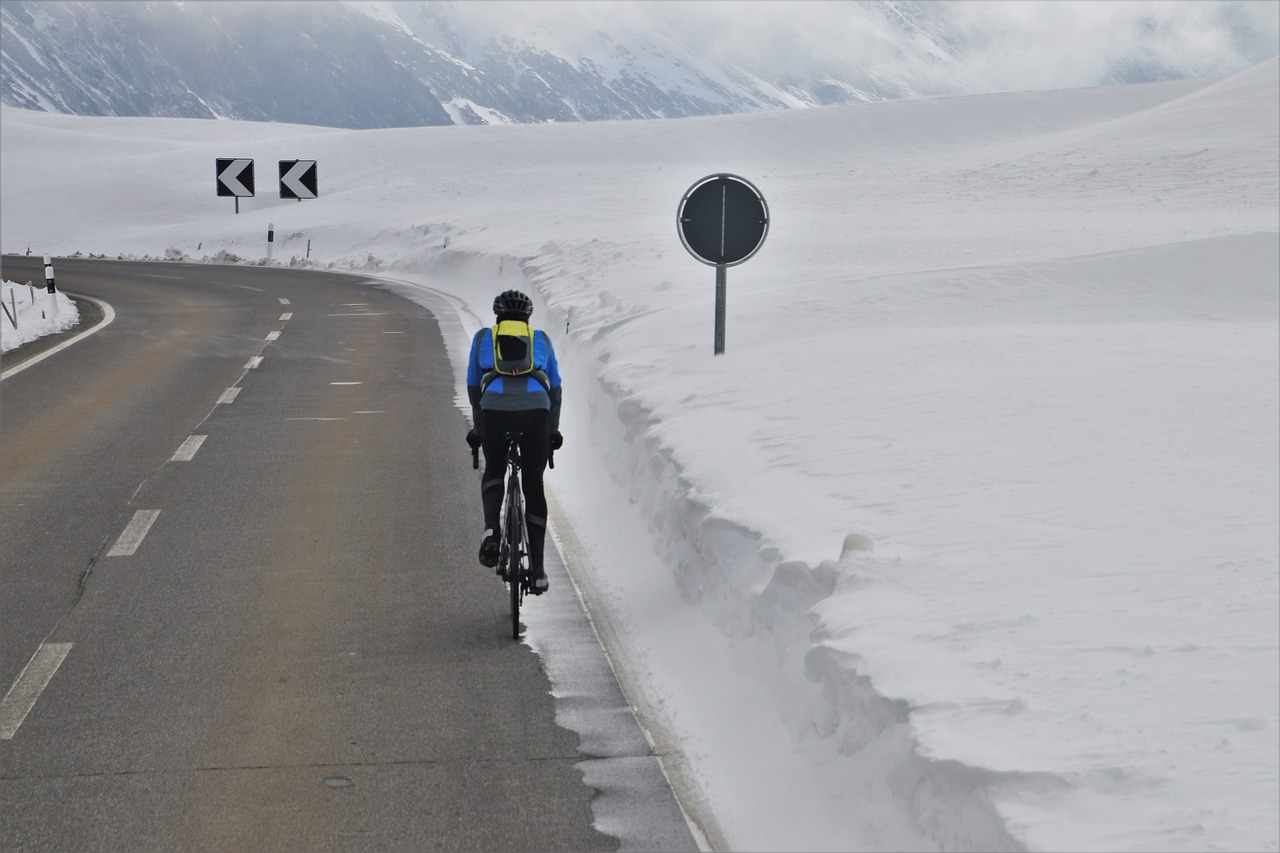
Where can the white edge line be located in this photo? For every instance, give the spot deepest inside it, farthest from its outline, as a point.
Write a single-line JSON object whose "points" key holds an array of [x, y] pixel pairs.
{"points": [[187, 451], [31, 682], [108, 314], [134, 533]]}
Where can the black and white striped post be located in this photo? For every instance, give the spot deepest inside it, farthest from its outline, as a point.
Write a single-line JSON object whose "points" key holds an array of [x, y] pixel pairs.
{"points": [[49, 286], [271, 240]]}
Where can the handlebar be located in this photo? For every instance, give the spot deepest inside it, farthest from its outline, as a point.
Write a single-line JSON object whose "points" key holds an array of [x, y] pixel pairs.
{"points": [[475, 458]]}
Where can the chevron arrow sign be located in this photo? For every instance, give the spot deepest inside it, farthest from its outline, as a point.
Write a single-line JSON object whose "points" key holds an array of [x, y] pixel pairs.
{"points": [[297, 179], [235, 177]]}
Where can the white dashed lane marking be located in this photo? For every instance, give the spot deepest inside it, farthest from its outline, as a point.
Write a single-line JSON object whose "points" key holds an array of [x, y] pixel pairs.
{"points": [[283, 301], [39, 671], [346, 383], [134, 533], [288, 315], [32, 681], [187, 451]]}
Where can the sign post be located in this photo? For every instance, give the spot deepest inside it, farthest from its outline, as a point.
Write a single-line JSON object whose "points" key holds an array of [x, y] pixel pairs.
{"points": [[722, 299], [235, 178], [722, 220]]}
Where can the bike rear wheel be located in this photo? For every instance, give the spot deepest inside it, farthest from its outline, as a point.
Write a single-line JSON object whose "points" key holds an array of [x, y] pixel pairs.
{"points": [[515, 580]]}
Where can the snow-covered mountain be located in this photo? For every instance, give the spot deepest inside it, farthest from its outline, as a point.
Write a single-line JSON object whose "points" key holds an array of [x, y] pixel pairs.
{"points": [[379, 63]]}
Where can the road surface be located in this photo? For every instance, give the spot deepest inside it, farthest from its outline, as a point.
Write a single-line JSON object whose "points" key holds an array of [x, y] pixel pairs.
{"points": [[242, 609]]}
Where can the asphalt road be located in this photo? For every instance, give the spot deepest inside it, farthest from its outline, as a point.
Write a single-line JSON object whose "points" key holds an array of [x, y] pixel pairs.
{"points": [[238, 567]]}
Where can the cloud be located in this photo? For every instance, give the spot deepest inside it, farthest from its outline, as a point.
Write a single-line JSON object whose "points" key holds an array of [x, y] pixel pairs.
{"points": [[981, 45], [1040, 44]]}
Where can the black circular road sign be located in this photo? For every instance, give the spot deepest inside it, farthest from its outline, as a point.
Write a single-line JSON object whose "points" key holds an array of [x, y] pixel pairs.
{"points": [[723, 220]]}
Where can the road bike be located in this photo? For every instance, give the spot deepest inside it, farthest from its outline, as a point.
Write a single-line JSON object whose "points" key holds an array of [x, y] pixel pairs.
{"points": [[513, 546]]}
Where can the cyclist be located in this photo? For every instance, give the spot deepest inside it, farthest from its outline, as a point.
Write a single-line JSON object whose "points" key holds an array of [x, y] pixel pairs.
{"points": [[513, 382]]}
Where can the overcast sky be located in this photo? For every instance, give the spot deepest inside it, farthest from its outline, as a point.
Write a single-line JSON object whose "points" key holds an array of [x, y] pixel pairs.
{"points": [[1003, 44], [1069, 43]]}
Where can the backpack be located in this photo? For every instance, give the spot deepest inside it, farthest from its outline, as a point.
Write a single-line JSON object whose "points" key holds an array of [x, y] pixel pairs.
{"points": [[513, 348], [513, 353]]}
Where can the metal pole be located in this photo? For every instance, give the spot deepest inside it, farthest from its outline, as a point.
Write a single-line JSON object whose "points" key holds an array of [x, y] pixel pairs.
{"points": [[721, 298]]}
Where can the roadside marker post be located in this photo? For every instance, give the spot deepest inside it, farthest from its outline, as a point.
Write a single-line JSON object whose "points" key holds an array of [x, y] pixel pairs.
{"points": [[49, 285]]}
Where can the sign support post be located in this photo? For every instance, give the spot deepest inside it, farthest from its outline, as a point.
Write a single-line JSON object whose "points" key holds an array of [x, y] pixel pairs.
{"points": [[722, 221], [722, 298]]}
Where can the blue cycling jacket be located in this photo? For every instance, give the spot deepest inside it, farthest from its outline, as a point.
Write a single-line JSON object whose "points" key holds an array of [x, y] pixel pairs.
{"points": [[513, 393]]}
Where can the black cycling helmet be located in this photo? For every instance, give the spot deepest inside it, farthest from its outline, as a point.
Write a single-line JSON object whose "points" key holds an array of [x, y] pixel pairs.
{"points": [[513, 305]]}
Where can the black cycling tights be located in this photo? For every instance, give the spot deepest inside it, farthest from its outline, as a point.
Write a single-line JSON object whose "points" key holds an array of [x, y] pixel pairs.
{"points": [[535, 425]]}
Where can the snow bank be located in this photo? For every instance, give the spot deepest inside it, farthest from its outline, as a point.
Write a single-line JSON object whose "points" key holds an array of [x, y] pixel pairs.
{"points": [[31, 313]]}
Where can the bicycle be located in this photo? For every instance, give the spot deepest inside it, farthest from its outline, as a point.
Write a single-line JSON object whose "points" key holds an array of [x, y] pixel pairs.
{"points": [[513, 544]]}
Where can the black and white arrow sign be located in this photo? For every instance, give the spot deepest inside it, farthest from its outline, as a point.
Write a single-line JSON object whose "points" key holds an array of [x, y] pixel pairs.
{"points": [[235, 177], [297, 179]]}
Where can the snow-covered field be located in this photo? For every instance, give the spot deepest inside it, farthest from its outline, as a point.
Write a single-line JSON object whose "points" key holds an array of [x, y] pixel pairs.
{"points": [[970, 540]]}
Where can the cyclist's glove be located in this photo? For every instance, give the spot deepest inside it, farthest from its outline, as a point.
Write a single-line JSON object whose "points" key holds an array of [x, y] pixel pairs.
{"points": [[557, 440], [473, 439]]}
